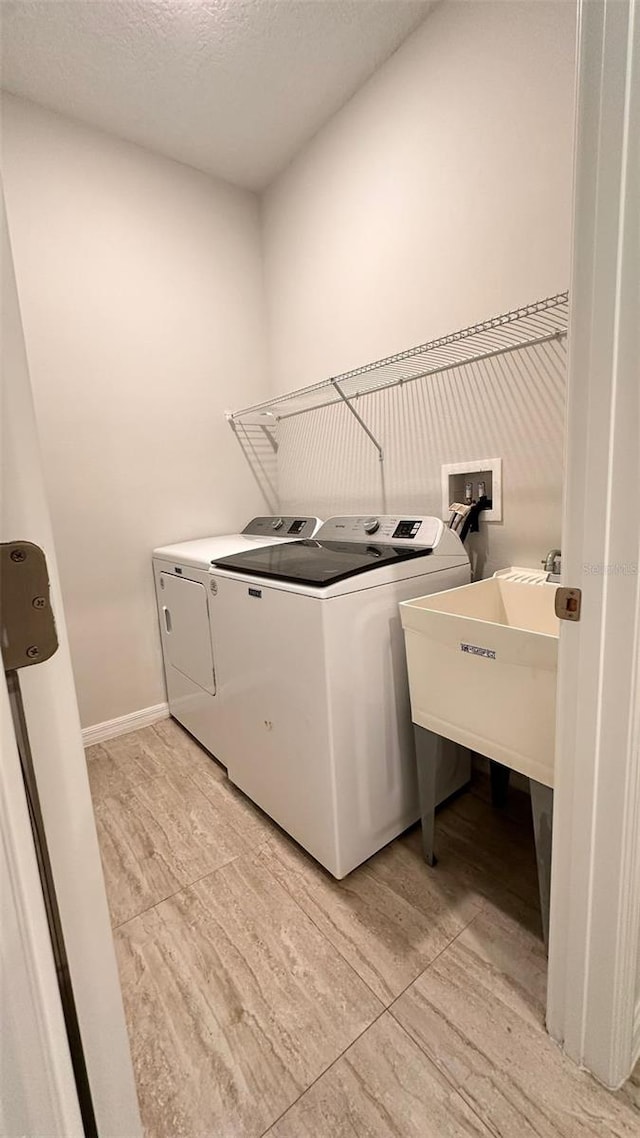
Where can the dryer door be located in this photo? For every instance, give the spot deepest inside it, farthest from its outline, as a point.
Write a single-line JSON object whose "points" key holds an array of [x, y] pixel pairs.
{"points": [[185, 629]]}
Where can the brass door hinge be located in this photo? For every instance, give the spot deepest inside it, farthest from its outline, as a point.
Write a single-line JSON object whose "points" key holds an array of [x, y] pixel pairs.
{"points": [[28, 626], [568, 603]]}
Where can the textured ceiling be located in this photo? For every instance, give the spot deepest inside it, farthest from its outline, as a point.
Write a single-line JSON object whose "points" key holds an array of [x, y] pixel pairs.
{"points": [[233, 87]]}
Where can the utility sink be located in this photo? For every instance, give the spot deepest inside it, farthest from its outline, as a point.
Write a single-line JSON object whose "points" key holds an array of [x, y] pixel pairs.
{"points": [[482, 662]]}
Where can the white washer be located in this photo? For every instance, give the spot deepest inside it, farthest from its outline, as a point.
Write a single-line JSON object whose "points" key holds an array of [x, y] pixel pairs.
{"points": [[317, 724], [182, 581]]}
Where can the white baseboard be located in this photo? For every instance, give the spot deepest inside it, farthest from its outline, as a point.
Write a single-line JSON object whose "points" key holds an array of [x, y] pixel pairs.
{"points": [[132, 722]]}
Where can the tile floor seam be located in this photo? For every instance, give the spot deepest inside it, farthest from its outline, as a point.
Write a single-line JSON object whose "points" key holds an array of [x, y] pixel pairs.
{"points": [[441, 1070], [333, 1062], [215, 764], [181, 889], [457, 1091], [431, 963], [347, 961], [99, 798], [325, 937], [328, 939], [220, 782]]}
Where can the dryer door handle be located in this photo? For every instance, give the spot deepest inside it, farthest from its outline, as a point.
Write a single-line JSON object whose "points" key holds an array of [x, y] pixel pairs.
{"points": [[167, 618]]}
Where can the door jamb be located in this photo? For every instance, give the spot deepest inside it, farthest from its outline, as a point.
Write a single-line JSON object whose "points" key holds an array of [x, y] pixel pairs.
{"points": [[594, 959]]}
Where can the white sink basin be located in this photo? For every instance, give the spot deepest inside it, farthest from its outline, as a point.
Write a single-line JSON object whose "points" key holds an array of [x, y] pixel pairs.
{"points": [[482, 663]]}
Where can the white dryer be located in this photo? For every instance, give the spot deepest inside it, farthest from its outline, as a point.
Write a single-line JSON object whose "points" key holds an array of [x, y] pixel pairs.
{"points": [[316, 726], [183, 582]]}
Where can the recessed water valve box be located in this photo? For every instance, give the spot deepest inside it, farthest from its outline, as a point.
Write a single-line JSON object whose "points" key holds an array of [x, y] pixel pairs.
{"points": [[484, 474]]}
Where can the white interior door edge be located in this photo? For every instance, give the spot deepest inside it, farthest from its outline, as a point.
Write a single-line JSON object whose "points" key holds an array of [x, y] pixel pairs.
{"points": [[594, 958]]}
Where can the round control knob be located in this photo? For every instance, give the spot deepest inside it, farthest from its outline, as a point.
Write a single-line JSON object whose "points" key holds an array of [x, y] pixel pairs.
{"points": [[277, 523], [371, 525]]}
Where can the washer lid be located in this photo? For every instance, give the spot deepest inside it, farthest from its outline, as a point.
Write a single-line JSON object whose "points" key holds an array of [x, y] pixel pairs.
{"points": [[318, 563]]}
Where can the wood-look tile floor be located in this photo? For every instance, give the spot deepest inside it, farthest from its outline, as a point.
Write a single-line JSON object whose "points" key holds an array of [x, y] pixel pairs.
{"points": [[265, 998]]}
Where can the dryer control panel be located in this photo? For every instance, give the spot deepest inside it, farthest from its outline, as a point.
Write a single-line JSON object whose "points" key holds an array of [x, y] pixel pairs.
{"points": [[282, 526], [384, 529]]}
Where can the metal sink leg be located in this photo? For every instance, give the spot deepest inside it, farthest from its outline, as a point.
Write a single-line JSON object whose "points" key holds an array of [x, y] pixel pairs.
{"points": [[542, 811], [428, 747]]}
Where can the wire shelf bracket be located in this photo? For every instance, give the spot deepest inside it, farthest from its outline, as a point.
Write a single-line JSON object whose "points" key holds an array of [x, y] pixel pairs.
{"points": [[535, 324], [359, 419]]}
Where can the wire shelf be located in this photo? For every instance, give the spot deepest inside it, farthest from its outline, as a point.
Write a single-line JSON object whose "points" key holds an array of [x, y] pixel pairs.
{"points": [[526, 327]]}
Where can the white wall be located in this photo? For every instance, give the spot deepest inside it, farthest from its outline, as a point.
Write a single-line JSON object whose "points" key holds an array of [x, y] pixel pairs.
{"points": [[440, 195], [141, 293]]}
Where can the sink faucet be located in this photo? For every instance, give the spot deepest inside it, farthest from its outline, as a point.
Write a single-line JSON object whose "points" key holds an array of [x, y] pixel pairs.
{"points": [[552, 562]]}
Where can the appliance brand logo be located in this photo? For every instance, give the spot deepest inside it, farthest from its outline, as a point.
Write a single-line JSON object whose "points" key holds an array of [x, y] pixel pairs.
{"points": [[488, 653], [255, 593]]}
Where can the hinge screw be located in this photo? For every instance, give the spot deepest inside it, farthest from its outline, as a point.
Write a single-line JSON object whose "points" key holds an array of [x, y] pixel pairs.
{"points": [[33, 652], [39, 602], [18, 555]]}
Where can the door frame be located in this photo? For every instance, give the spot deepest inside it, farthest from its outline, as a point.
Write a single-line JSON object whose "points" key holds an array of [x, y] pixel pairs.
{"points": [[39, 1092], [594, 954], [57, 755]]}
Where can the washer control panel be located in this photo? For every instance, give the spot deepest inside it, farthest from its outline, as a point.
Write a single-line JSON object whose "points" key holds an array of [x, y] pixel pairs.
{"points": [[385, 529]]}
